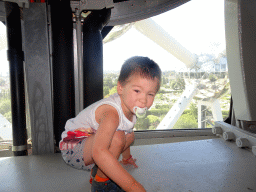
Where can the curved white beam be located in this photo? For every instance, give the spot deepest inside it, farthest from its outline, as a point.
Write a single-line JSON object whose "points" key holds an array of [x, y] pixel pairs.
{"points": [[156, 33], [177, 109]]}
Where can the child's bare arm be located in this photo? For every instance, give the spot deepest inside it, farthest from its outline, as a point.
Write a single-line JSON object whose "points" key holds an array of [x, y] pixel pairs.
{"points": [[109, 120]]}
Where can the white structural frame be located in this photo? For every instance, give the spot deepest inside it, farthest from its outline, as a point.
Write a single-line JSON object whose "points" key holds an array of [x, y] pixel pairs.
{"points": [[215, 107], [156, 33], [243, 139], [177, 109]]}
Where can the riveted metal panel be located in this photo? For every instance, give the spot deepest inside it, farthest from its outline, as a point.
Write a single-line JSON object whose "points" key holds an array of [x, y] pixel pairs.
{"points": [[134, 10], [38, 77]]}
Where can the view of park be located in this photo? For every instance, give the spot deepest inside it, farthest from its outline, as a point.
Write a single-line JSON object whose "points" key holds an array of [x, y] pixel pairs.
{"points": [[211, 85]]}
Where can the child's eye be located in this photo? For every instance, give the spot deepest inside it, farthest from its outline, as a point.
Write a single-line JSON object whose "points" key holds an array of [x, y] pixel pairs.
{"points": [[137, 91], [151, 95]]}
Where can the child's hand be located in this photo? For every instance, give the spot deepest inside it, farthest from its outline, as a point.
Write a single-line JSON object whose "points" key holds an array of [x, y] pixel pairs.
{"points": [[130, 160]]}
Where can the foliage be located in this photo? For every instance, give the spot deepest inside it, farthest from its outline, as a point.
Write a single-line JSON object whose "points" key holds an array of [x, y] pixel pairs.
{"points": [[178, 84], [193, 110], [226, 97], [167, 86], [159, 96], [186, 111], [5, 106], [108, 82], [153, 120], [5, 94], [212, 77], [158, 112], [164, 99], [2, 82], [113, 90], [186, 121], [225, 114], [163, 90], [151, 127], [105, 90], [148, 122], [173, 100], [163, 106], [164, 80], [8, 116], [142, 124]]}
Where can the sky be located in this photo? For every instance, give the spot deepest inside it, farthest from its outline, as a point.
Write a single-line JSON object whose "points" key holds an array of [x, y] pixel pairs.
{"points": [[197, 25]]}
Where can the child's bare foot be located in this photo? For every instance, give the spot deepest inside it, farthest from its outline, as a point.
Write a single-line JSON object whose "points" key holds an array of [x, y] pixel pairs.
{"points": [[130, 161]]}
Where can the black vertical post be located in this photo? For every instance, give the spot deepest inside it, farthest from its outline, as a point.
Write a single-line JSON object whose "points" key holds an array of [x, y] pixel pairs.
{"points": [[63, 65], [16, 58], [93, 55]]}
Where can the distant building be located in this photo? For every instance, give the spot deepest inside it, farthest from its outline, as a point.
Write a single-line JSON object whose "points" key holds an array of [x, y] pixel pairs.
{"points": [[207, 66], [223, 64]]}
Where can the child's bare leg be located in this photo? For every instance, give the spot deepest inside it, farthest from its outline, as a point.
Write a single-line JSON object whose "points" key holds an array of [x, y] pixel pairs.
{"points": [[117, 144], [127, 158], [120, 144], [116, 148], [87, 151], [127, 153], [129, 140]]}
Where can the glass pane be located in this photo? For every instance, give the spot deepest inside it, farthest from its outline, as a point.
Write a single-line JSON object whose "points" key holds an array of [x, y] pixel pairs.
{"points": [[6, 139], [5, 97], [193, 93]]}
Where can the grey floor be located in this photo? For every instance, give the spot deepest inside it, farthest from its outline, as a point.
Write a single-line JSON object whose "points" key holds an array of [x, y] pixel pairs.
{"points": [[190, 166]]}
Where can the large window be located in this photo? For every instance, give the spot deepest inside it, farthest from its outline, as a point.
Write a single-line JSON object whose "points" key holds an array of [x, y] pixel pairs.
{"points": [[6, 139], [5, 97], [193, 94]]}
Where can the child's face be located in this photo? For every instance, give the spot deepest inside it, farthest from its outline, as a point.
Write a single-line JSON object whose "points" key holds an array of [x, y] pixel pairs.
{"points": [[137, 91]]}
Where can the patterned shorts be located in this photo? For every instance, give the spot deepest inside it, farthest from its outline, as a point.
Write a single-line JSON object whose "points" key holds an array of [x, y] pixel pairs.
{"points": [[74, 157]]}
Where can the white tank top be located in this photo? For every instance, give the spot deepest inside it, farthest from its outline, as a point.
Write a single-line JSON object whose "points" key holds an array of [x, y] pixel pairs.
{"points": [[86, 118]]}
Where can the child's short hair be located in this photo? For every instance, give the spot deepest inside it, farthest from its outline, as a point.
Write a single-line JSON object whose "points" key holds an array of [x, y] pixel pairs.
{"points": [[144, 66]]}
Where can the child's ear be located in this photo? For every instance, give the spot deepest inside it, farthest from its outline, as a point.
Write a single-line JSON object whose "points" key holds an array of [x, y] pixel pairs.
{"points": [[119, 88]]}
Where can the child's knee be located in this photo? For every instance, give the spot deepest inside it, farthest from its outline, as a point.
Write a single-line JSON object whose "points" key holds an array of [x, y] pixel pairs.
{"points": [[119, 139]]}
